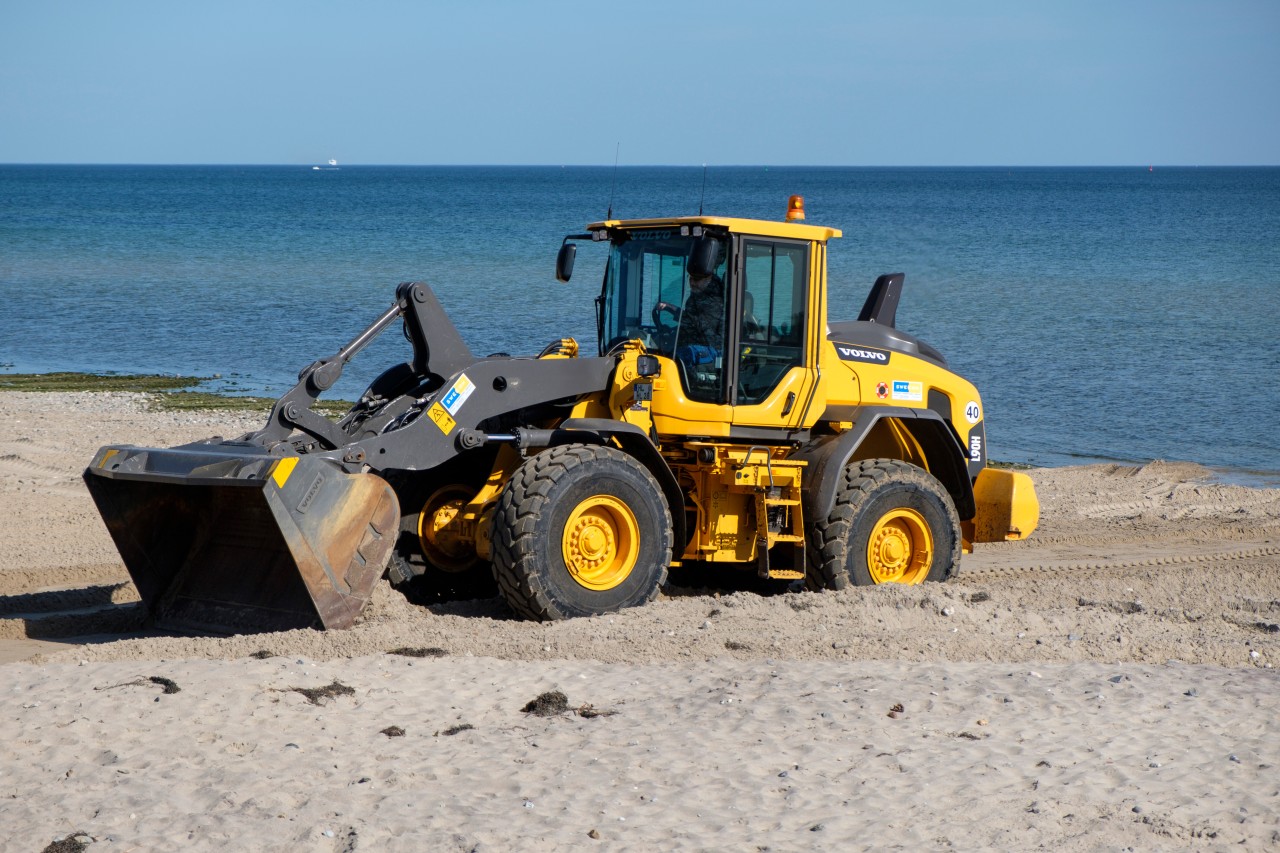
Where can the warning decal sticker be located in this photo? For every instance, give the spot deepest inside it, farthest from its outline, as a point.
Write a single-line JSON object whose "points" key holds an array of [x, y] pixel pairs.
{"points": [[441, 418]]}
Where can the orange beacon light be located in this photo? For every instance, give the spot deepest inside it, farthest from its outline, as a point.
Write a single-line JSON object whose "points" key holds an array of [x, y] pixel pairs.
{"points": [[795, 208]]}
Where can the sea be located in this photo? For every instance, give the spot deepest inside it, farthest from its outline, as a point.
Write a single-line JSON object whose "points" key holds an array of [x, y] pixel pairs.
{"points": [[1119, 314]]}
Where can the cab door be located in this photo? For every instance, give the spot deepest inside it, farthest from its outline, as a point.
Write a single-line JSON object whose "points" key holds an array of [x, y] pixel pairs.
{"points": [[774, 369]]}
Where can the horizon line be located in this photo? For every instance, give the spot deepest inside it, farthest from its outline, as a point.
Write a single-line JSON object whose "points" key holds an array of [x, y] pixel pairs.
{"points": [[322, 167]]}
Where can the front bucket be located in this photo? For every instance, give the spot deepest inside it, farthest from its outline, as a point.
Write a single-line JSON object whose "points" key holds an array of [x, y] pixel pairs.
{"points": [[227, 539]]}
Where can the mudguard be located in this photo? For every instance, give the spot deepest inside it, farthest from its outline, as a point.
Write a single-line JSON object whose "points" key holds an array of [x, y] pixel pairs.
{"points": [[827, 456]]}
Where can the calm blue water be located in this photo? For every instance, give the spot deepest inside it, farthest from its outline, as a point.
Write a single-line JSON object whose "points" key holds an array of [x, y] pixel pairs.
{"points": [[1117, 314]]}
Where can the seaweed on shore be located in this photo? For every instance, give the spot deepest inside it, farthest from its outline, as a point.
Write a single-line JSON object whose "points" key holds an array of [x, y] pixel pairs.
{"points": [[167, 393], [547, 704], [553, 703], [419, 652], [75, 842], [315, 694], [169, 685], [132, 383]]}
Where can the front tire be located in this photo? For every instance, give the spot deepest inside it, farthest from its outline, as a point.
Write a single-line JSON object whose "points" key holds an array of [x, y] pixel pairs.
{"points": [[580, 530], [891, 523], [434, 560]]}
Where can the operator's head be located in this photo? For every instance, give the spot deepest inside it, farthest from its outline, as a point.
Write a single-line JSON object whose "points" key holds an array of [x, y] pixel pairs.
{"points": [[708, 254]]}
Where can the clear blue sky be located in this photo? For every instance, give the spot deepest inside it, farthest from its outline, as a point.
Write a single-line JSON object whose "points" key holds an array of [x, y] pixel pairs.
{"points": [[980, 82]]}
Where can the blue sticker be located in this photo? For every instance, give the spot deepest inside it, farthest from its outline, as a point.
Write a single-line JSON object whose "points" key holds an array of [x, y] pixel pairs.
{"points": [[909, 391], [457, 395]]}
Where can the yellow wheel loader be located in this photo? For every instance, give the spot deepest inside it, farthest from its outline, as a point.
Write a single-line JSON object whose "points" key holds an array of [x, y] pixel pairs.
{"points": [[724, 421]]}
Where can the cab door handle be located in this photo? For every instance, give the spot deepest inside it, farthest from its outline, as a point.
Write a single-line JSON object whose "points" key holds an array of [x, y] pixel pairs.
{"points": [[791, 401]]}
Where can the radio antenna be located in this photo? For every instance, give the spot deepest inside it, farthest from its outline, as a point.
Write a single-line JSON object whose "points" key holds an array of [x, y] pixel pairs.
{"points": [[609, 214], [704, 188]]}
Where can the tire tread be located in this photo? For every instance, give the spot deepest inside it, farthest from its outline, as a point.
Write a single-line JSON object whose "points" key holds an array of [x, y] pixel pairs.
{"points": [[524, 500], [829, 537]]}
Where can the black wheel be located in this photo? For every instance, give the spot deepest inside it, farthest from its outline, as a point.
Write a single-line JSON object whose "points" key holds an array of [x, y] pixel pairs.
{"points": [[580, 530], [435, 559], [891, 523]]}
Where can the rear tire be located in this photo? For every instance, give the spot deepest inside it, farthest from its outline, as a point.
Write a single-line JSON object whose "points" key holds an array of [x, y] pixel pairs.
{"points": [[891, 523], [580, 530]]}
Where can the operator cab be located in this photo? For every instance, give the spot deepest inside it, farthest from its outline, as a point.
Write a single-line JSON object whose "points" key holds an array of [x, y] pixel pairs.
{"points": [[694, 293]]}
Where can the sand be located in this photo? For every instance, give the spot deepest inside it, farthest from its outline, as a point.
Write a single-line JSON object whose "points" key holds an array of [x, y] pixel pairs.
{"points": [[1107, 684]]}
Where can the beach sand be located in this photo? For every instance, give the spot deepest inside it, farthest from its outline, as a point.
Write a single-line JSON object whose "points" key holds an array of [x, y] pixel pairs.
{"points": [[1107, 684]]}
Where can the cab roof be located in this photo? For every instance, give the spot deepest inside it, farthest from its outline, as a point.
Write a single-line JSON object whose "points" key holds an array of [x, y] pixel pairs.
{"points": [[760, 227]]}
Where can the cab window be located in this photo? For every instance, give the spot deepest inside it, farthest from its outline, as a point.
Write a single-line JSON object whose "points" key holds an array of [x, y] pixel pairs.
{"points": [[775, 283], [648, 297]]}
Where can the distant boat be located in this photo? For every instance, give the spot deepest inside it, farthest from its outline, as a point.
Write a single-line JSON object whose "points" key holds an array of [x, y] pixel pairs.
{"points": [[332, 167]]}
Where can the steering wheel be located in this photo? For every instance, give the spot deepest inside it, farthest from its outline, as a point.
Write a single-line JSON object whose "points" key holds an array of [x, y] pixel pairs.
{"points": [[673, 310]]}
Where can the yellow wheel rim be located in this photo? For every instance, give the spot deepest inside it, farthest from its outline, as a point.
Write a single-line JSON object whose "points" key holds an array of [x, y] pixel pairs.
{"points": [[441, 530], [601, 542], [901, 548]]}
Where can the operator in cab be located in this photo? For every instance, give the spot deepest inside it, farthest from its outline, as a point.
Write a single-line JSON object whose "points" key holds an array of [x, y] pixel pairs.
{"points": [[702, 320], [700, 337]]}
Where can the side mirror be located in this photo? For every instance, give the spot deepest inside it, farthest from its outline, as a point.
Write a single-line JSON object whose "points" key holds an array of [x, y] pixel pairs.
{"points": [[703, 257], [564, 261]]}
